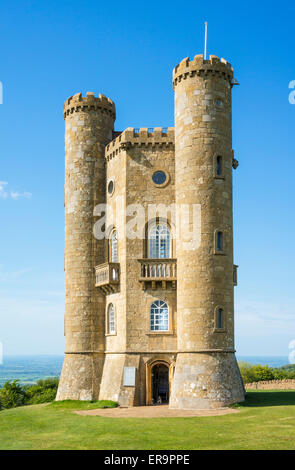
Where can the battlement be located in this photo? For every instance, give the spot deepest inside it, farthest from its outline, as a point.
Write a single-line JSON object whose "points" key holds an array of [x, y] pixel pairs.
{"points": [[144, 136], [198, 66], [89, 102]]}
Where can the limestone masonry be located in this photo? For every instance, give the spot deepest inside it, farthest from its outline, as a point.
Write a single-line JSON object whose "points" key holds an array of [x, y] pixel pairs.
{"points": [[149, 317], [286, 384]]}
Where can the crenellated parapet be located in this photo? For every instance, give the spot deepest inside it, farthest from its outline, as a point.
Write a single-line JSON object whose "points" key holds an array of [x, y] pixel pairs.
{"points": [[89, 102], [144, 136], [200, 67]]}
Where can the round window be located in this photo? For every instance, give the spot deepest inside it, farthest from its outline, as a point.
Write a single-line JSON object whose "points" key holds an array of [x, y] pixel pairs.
{"points": [[159, 177], [111, 187]]}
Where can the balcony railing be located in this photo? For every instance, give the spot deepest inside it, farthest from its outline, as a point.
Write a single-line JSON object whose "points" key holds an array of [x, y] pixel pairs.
{"points": [[160, 270], [107, 277]]}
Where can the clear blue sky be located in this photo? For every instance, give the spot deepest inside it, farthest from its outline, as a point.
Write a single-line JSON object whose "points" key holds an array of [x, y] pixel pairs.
{"points": [[127, 50]]}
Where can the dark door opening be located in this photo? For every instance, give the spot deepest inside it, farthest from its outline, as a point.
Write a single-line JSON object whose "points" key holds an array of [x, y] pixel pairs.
{"points": [[160, 384]]}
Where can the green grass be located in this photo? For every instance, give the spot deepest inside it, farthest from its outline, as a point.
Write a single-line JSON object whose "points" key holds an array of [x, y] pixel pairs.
{"points": [[82, 405], [265, 421]]}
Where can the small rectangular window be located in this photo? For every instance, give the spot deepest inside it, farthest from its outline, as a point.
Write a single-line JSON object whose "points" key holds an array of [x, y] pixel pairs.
{"points": [[220, 319], [114, 247], [219, 241], [219, 165], [111, 320]]}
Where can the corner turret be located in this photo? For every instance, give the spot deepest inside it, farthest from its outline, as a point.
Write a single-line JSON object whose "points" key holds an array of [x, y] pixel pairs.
{"points": [[89, 127]]}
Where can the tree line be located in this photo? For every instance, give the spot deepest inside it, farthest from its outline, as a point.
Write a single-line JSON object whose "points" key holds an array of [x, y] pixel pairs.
{"points": [[256, 373], [13, 394]]}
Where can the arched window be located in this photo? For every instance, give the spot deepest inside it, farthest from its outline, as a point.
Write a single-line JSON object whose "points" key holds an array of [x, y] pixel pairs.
{"points": [[159, 316], [219, 319], [159, 241], [114, 247], [219, 241], [219, 165], [111, 320]]}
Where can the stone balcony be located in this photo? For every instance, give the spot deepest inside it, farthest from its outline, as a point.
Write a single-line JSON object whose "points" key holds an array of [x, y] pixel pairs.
{"points": [[107, 277], [160, 272]]}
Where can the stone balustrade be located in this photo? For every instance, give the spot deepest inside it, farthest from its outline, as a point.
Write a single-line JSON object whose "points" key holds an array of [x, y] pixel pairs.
{"points": [[163, 270]]}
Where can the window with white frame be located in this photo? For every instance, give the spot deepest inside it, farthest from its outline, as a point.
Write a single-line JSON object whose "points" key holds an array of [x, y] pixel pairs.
{"points": [[111, 319], [159, 316], [159, 241], [114, 247]]}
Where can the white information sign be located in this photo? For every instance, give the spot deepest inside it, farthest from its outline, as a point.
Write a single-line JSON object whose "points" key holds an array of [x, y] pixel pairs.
{"points": [[129, 376]]}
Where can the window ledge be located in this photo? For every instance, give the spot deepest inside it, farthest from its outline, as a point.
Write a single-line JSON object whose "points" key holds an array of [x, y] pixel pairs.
{"points": [[151, 333], [111, 334], [219, 330]]}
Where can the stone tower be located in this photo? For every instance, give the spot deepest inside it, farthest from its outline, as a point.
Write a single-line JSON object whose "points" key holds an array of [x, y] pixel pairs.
{"points": [[89, 127], [206, 373], [150, 317]]}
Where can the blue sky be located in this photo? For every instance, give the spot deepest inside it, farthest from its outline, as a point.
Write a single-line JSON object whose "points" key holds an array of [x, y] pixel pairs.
{"points": [[127, 50]]}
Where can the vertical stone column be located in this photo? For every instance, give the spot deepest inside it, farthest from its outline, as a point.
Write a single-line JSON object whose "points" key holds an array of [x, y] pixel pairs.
{"points": [[89, 125], [206, 374]]}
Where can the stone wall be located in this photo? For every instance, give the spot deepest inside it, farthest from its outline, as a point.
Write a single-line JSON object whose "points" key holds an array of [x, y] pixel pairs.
{"points": [[131, 160], [288, 384]]}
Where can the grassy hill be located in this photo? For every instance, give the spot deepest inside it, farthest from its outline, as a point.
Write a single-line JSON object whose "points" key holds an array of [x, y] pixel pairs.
{"points": [[265, 421]]}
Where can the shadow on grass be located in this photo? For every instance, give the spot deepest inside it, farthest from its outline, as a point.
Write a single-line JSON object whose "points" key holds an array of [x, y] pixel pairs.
{"points": [[268, 398]]}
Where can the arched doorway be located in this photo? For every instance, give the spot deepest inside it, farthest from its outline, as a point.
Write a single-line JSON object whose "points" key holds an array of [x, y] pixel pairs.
{"points": [[160, 384], [153, 374]]}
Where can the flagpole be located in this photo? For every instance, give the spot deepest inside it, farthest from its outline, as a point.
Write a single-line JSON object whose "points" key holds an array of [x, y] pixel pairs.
{"points": [[205, 48]]}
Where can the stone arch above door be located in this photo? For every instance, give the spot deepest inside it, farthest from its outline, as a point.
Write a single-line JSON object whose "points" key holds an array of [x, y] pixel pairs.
{"points": [[169, 363]]}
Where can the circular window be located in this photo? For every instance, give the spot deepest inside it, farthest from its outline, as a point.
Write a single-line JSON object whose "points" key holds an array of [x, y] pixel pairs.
{"points": [[219, 103], [111, 187], [159, 177]]}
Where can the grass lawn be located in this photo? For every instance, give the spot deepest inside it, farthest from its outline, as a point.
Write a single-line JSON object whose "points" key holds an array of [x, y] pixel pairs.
{"points": [[265, 421]]}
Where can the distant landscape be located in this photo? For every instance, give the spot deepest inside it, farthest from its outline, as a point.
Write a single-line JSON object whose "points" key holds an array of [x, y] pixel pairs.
{"points": [[29, 369]]}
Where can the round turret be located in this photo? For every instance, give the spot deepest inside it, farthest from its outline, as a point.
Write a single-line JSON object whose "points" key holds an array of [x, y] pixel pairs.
{"points": [[89, 127], [206, 373], [202, 68], [90, 102]]}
